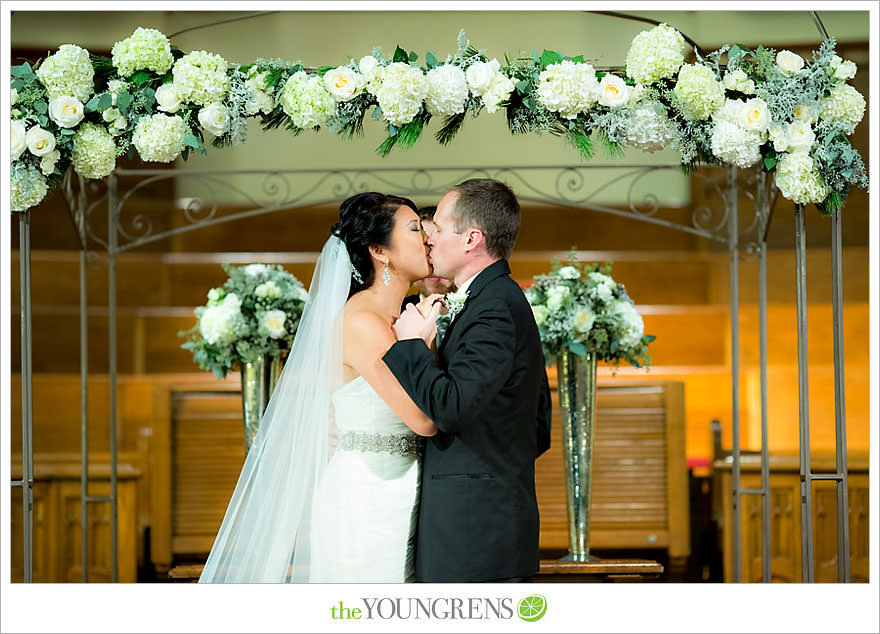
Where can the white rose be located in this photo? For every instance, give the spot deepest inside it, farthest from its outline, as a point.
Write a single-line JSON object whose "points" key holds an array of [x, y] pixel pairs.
{"points": [[480, 75], [120, 123], [779, 137], [800, 136], [789, 63], [583, 320], [110, 114], [13, 97], [167, 98], [214, 294], [367, 65], [260, 102], [114, 85], [840, 69], [343, 83], [613, 91], [556, 296], [541, 313], [569, 273], [214, 118], [273, 322], [806, 114], [66, 111], [47, 164], [755, 115], [18, 139], [39, 141]]}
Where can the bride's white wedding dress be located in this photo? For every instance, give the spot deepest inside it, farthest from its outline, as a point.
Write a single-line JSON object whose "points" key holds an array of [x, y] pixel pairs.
{"points": [[366, 503]]}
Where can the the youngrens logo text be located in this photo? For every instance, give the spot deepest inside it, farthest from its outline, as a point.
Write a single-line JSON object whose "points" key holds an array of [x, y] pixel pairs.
{"points": [[529, 608]]}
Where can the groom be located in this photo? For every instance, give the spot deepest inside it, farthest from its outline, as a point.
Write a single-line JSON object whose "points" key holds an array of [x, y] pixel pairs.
{"points": [[487, 394]]}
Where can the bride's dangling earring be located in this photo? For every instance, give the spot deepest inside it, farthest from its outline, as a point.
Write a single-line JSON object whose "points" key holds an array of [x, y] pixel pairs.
{"points": [[386, 276]]}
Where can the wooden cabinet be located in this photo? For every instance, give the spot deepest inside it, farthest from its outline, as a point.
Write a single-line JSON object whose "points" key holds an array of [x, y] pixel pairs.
{"points": [[57, 541], [785, 518]]}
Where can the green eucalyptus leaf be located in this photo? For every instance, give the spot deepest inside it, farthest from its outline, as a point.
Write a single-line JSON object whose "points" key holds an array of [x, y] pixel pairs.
{"points": [[413, 57], [105, 101], [68, 131], [123, 101], [23, 70], [41, 106], [431, 60], [92, 105]]}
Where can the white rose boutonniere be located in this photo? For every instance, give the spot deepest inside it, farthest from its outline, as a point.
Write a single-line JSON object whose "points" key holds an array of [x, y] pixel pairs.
{"points": [[455, 302]]}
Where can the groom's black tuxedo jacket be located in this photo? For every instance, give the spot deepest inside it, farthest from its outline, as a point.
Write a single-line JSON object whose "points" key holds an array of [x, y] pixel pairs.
{"points": [[488, 395]]}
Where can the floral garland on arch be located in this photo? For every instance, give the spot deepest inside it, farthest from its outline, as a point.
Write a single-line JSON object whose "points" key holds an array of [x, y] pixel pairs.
{"points": [[152, 100]]}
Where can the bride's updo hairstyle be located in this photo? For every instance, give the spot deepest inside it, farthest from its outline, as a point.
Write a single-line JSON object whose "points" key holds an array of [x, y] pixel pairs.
{"points": [[367, 219]]}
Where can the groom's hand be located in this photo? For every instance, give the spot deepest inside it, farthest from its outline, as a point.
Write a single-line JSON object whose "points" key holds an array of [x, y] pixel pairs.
{"points": [[412, 325]]}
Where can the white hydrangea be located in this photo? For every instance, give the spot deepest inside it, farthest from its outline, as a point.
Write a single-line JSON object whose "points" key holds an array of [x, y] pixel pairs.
{"points": [[217, 323], [447, 90], [734, 145], [732, 140], [68, 72], [798, 179], [400, 96], [655, 54], [602, 292], [597, 277], [94, 153], [159, 137], [584, 318], [842, 70], [200, 77], [145, 49], [344, 83], [568, 88], [844, 104], [649, 130], [272, 322], [556, 297], [739, 81], [306, 101], [698, 93], [631, 327], [569, 273], [27, 186]]}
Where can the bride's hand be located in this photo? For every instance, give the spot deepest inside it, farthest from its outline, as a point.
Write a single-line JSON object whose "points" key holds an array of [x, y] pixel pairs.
{"points": [[412, 325], [426, 304]]}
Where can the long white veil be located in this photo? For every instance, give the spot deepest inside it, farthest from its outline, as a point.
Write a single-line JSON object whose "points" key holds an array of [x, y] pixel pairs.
{"points": [[264, 536]]}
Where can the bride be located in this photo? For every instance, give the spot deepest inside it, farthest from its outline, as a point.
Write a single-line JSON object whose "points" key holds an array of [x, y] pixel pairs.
{"points": [[329, 489]]}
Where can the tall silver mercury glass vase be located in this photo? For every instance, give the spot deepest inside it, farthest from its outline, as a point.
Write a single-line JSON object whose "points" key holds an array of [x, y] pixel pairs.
{"points": [[258, 379], [577, 398]]}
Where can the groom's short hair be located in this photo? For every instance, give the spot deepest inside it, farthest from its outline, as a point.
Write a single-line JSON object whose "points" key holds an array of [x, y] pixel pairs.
{"points": [[491, 206]]}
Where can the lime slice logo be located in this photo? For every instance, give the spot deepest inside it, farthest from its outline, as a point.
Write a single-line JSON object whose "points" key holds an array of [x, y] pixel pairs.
{"points": [[532, 608]]}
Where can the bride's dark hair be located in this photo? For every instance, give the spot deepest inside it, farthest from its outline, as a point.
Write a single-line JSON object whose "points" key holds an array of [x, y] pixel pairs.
{"points": [[367, 219]]}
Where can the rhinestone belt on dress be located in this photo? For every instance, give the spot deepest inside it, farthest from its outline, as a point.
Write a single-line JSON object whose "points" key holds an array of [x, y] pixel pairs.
{"points": [[400, 444]]}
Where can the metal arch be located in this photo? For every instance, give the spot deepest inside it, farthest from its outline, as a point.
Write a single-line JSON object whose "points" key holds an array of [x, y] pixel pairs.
{"points": [[291, 189]]}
